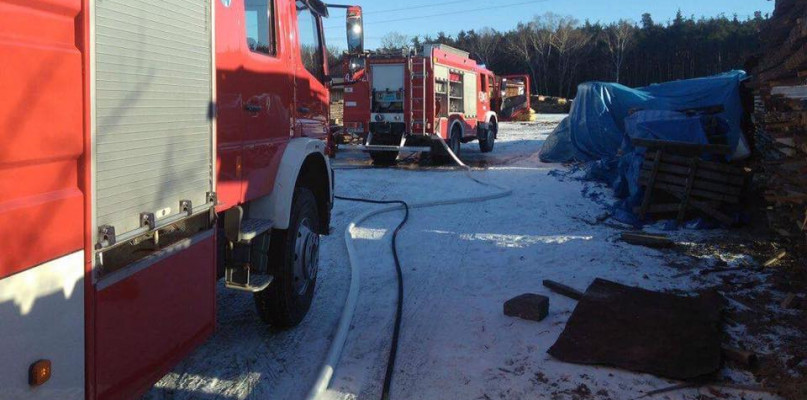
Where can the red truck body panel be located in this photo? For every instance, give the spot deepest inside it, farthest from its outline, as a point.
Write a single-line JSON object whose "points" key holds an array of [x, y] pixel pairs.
{"points": [[251, 145], [357, 104], [41, 118], [143, 328]]}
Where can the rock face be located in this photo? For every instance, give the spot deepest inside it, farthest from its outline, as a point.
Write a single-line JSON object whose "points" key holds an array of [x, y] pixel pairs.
{"points": [[528, 306]]}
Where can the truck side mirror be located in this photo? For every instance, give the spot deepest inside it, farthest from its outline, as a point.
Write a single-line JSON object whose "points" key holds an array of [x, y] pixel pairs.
{"points": [[355, 30]]}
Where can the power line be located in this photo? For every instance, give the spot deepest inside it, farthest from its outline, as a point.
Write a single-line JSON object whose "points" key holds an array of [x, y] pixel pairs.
{"points": [[455, 12], [421, 17], [445, 3]]}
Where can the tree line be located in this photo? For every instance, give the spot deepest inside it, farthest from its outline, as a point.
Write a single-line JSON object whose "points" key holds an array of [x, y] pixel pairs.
{"points": [[559, 52]]}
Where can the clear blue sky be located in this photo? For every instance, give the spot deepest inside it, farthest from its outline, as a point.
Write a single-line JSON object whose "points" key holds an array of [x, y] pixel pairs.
{"points": [[420, 17]]}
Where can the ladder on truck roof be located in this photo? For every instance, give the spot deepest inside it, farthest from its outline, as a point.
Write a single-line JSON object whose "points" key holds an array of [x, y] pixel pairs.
{"points": [[417, 85]]}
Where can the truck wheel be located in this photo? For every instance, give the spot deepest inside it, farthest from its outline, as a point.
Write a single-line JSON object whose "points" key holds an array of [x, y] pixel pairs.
{"points": [[455, 142], [294, 263], [487, 142], [439, 155], [384, 158]]}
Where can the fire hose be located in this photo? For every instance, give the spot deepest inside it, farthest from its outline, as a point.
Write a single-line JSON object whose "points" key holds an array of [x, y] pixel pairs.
{"points": [[340, 338]]}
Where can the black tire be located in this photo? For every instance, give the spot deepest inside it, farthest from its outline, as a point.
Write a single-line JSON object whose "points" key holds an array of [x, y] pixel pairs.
{"points": [[285, 303], [487, 142], [384, 158], [455, 141]]}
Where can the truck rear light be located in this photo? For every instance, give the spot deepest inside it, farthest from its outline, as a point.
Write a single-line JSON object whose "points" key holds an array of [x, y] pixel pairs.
{"points": [[39, 373]]}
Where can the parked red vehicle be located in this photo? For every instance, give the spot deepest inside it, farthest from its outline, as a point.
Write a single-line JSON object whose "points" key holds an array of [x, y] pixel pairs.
{"points": [[414, 99], [515, 98], [150, 147], [357, 98]]}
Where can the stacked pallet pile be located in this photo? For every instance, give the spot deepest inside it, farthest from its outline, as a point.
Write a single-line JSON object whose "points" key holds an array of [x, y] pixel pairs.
{"points": [[678, 181], [551, 105], [780, 81]]}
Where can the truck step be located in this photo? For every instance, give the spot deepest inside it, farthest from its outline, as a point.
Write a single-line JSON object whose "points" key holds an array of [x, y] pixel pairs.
{"points": [[241, 277], [252, 228], [240, 230]]}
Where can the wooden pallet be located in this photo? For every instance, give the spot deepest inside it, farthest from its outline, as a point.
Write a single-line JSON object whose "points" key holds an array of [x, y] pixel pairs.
{"points": [[694, 184]]}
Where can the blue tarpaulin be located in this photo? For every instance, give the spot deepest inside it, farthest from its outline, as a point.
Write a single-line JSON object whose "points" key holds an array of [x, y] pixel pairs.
{"points": [[595, 129], [606, 116]]}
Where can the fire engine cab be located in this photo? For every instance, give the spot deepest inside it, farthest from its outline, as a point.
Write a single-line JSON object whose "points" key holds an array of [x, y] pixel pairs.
{"points": [[414, 99], [149, 148]]}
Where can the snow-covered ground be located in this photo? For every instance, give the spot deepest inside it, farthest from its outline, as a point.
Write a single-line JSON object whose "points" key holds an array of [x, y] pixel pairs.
{"points": [[461, 263]]}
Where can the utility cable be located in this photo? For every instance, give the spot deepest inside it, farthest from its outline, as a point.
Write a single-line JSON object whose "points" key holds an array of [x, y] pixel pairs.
{"points": [[448, 13]]}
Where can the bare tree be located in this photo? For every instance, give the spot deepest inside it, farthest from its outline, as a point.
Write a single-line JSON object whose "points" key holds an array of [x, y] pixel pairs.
{"points": [[570, 44], [619, 38], [395, 41], [483, 44], [520, 46], [544, 28]]}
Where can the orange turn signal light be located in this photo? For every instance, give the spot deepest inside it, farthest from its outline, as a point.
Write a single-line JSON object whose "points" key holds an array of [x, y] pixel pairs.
{"points": [[39, 373]]}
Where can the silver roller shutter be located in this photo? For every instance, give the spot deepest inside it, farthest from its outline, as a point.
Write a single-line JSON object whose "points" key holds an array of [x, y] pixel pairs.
{"points": [[153, 94], [471, 94], [441, 72]]}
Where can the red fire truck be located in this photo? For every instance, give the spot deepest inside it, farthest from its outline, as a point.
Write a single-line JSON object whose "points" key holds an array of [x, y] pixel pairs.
{"points": [[149, 148], [414, 98]]}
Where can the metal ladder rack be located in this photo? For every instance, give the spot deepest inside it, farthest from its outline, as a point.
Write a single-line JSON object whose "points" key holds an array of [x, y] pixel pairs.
{"points": [[418, 82]]}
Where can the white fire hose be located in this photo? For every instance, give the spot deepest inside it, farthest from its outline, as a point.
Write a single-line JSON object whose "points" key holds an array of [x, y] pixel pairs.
{"points": [[340, 338]]}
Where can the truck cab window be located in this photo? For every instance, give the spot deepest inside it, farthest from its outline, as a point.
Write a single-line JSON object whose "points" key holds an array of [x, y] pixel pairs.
{"points": [[259, 19], [310, 43]]}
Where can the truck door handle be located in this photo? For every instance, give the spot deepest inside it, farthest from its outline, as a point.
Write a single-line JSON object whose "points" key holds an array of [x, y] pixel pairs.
{"points": [[252, 108], [304, 110]]}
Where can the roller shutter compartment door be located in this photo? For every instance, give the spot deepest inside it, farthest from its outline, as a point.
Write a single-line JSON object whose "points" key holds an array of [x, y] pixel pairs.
{"points": [[153, 107], [471, 94]]}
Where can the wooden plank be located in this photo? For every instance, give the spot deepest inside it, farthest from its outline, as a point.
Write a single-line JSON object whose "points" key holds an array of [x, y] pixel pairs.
{"points": [[676, 190], [775, 260], [680, 185], [790, 301], [690, 184], [642, 239], [708, 210], [564, 290], [684, 161], [689, 148], [698, 184], [648, 194], [706, 175]]}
